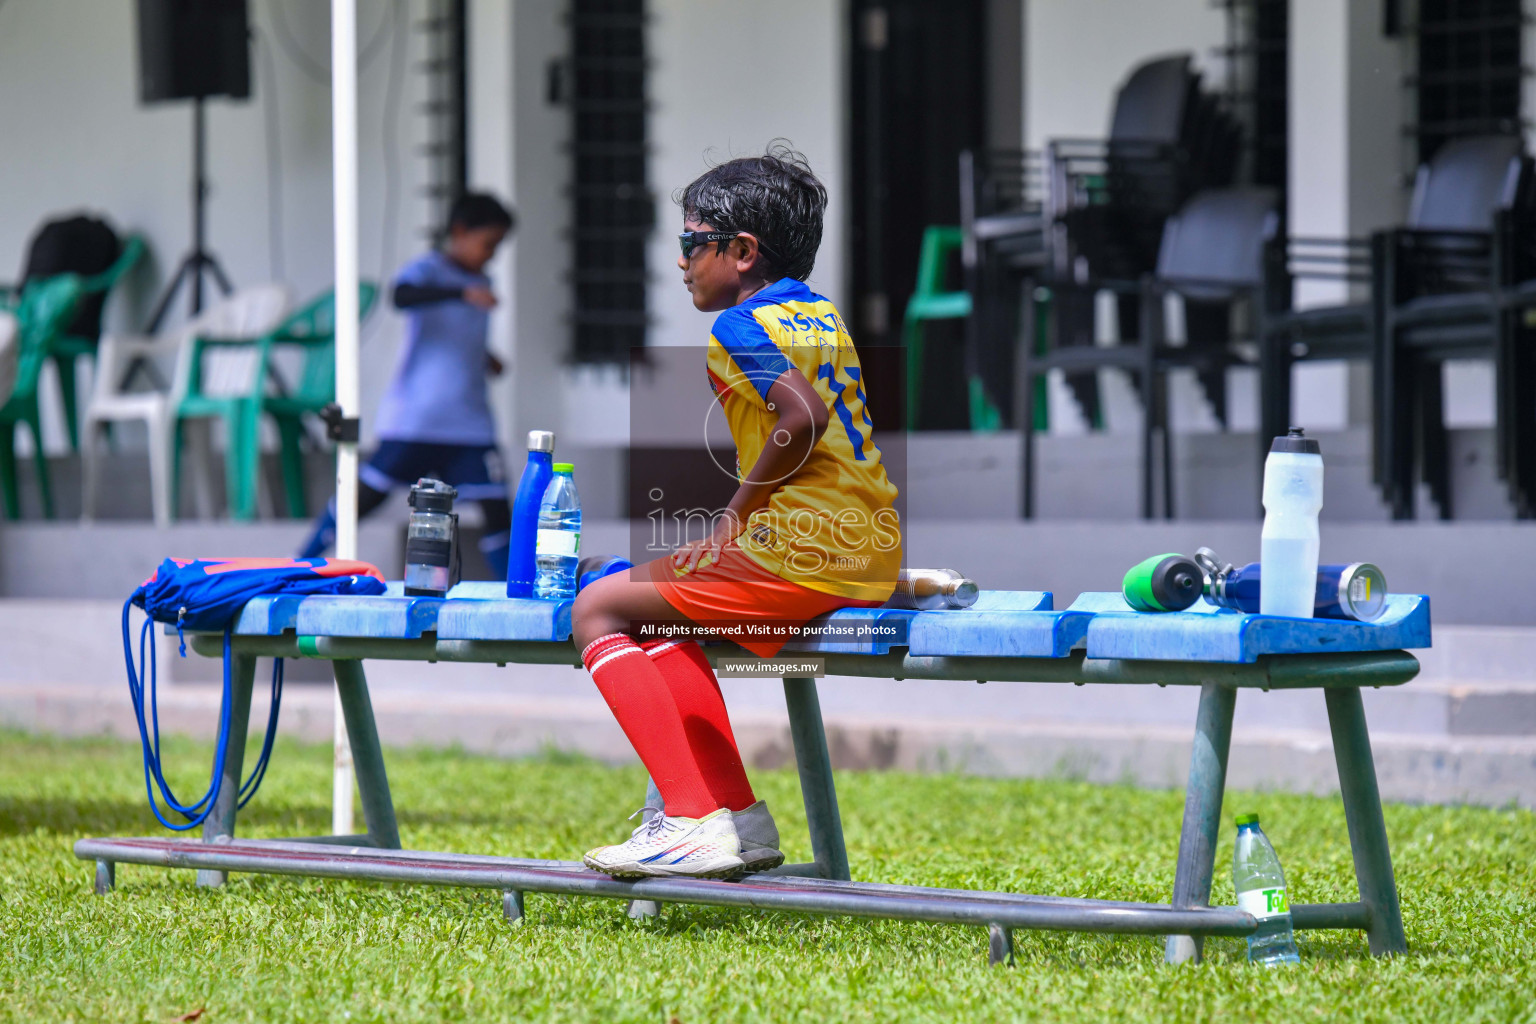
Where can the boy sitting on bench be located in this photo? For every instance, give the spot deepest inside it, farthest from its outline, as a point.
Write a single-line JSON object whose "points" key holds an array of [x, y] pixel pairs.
{"points": [[811, 528]]}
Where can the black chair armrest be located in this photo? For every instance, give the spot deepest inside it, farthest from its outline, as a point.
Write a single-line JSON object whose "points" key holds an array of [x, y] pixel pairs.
{"points": [[1315, 257], [1428, 261], [1119, 286], [1217, 289], [1087, 172]]}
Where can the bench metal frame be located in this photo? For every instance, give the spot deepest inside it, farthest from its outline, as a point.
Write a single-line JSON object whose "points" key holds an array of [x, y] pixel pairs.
{"points": [[822, 886]]}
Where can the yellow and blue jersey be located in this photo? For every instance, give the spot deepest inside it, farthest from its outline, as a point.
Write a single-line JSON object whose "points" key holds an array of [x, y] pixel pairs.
{"points": [[831, 525]]}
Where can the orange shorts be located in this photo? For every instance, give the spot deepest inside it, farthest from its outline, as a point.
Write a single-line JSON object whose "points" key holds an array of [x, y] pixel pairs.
{"points": [[736, 591]]}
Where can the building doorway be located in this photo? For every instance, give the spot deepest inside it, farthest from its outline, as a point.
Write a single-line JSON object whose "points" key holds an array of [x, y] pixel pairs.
{"points": [[922, 75]]}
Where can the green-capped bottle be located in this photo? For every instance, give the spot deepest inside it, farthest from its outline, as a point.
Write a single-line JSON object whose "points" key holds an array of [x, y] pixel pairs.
{"points": [[1260, 886]]}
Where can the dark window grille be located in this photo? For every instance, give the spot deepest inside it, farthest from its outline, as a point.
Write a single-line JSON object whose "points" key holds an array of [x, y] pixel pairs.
{"points": [[444, 34], [613, 210], [1469, 70], [1258, 84]]}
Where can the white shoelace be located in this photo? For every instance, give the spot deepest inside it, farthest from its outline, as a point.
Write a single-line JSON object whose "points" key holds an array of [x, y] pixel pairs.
{"points": [[653, 825]]}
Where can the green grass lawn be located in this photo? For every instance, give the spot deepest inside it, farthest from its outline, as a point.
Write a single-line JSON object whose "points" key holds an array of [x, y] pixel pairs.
{"points": [[267, 949]]}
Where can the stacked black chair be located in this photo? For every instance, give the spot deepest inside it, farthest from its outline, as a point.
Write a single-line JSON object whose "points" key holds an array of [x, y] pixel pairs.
{"points": [[1211, 253], [1440, 289], [1002, 226], [1109, 198], [1448, 290]]}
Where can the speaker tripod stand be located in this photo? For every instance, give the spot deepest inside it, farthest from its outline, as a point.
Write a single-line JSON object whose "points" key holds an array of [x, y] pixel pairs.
{"points": [[199, 261]]}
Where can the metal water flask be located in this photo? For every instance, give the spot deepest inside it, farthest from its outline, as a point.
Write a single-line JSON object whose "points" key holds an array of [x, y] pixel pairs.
{"points": [[1162, 583], [431, 540], [930, 589], [1354, 591], [521, 566]]}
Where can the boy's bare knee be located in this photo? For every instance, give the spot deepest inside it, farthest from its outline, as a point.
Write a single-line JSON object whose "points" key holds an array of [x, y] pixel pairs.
{"points": [[592, 617]]}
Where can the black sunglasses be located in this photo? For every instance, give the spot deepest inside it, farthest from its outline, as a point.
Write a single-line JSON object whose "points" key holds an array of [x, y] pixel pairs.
{"points": [[691, 240]]}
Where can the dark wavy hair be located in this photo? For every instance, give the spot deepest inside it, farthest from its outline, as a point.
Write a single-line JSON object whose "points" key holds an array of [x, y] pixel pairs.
{"points": [[774, 196], [474, 210]]}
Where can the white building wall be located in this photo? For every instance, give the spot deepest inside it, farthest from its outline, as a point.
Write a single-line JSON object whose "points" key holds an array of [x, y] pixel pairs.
{"points": [[541, 257], [492, 153], [727, 76], [1078, 52], [765, 74], [77, 138]]}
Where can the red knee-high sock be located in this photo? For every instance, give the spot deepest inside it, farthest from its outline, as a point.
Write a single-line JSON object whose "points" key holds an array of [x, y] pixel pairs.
{"points": [[696, 692], [641, 699]]}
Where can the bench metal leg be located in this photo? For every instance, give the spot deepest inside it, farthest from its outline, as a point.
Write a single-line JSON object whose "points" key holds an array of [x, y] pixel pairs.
{"points": [[367, 755], [999, 945], [220, 823], [638, 909], [106, 876], [1367, 829], [512, 906], [1202, 812], [816, 786]]}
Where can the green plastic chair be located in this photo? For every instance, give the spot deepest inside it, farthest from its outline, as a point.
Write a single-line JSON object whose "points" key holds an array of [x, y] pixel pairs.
{"points": [[67, 348], [45, 308], [313, 330], [228, 379], [930, 301]]}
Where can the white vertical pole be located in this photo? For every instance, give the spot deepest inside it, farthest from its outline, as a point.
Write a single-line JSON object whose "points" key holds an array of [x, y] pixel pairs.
{"points": [[344, 177]]}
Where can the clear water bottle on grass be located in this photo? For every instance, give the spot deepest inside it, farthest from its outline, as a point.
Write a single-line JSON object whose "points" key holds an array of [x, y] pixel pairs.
{"points": [[557, 550], [1260, 886]]}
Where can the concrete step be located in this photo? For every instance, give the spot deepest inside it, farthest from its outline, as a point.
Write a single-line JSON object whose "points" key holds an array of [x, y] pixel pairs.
{"points": [[1464, 730], [1415, 768], [1476, 681], [1448, 561]]}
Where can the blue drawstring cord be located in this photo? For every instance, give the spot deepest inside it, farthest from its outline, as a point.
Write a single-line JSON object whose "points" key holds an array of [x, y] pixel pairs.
{"points": [[142, 683], [253, 783]]}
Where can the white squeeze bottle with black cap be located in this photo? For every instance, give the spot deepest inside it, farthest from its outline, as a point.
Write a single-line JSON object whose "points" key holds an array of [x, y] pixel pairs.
{"points": [[1293, 496]]}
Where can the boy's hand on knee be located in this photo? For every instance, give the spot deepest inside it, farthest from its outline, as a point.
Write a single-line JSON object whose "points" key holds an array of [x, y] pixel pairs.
{"points": [[699, 553]]}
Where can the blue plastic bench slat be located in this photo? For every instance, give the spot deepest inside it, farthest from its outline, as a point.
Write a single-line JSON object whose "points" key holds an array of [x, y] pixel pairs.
{"points": [[481, 610], [1014, 601], [997, 634], [1207, 633], [268, 616], [504, 619], [855, 631], [1014, 624], [884, 628], [381, 617]]}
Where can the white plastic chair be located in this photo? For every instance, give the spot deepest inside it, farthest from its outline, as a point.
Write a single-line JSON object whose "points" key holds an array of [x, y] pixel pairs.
{"points": [[10, 355], [249, 313]]}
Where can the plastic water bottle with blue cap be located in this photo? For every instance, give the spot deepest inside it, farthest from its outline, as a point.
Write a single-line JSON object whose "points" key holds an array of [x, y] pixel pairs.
{"points": [[1260, 886], [557, 552]]}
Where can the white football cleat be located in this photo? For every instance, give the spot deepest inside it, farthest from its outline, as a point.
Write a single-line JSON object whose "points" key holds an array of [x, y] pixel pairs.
{"points": [[669, 847]]}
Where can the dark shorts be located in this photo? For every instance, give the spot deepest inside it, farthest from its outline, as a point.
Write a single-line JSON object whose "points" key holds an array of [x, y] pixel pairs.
{"points": [[474, 469]]}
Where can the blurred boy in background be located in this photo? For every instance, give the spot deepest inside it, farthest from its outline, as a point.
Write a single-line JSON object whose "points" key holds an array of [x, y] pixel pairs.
{"points": [[435, 418]]}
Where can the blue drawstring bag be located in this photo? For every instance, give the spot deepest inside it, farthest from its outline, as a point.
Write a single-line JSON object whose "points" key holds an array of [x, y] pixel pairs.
{"points": [[206, 595]]}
